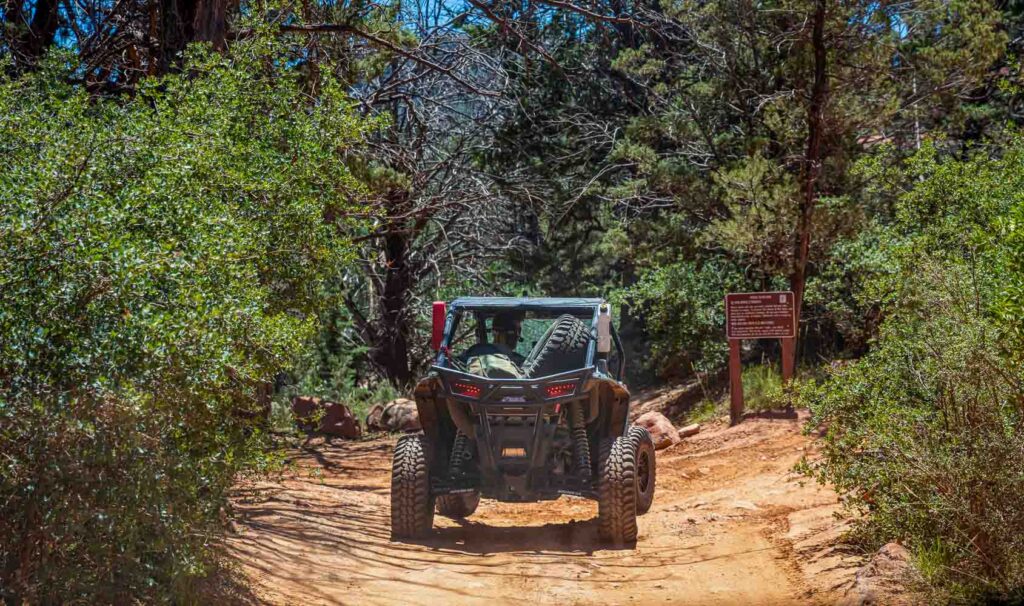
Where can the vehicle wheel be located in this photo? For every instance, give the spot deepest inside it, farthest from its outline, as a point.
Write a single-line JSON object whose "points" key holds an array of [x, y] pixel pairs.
{"points": [[616, 491], [412, 505], [561, 349], [646, 470], [463, 504]]}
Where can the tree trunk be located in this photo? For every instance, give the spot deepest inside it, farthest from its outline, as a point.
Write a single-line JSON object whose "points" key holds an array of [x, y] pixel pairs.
{"points": [[185, 21], [38, 33], [811, 171], [390, 352], [210, 23]]}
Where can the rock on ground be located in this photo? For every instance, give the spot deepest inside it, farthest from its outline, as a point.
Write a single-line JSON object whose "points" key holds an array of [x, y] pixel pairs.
{"points": [[689, 430], [374, 418], [663, 433], [335, 419], [398, 415], [883, 579]]}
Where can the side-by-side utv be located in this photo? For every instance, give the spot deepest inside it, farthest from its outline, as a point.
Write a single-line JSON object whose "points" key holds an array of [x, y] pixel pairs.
{"points": [[524, 402]]}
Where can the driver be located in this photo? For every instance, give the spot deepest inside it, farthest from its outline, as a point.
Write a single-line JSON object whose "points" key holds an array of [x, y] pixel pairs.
{"points": [[498, 359], [505, 330]]}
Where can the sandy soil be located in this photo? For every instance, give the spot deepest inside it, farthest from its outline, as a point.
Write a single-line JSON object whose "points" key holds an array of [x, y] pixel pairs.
{"points": [[731, 524]]}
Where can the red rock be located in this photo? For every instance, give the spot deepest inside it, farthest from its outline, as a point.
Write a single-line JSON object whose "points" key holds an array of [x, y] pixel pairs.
{"points": [[400, 415], [883, 580], [663, 433], [374, 419], [326, 417]]}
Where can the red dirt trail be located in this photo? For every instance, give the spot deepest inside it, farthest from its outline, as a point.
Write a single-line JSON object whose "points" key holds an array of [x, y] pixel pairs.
{"points": [[731, 524]]}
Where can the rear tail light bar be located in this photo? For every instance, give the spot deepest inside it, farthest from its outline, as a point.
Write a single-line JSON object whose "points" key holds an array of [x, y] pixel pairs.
{"points": [[472, 390], [466, 389], [558, 390]]}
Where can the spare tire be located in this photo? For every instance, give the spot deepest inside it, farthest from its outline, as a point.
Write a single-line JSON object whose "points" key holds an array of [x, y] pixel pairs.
{"points": [[562, 348]]}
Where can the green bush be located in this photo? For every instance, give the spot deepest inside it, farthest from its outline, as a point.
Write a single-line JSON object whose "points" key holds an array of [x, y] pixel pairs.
{"points": [[925, 434], [684, 314], [158, 257]]}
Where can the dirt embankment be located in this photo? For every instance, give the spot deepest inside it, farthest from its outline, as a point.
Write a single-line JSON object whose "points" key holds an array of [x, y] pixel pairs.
{"points": [[731, 524]]}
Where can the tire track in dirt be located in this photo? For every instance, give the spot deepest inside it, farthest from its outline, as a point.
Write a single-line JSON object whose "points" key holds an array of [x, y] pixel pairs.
{"points": [[730, 524]]}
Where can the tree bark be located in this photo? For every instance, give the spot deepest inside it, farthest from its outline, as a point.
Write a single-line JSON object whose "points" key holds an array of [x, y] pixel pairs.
{"points": [[210, 23], [185, 21], [390, 352], [38, 35], [813, 157]]}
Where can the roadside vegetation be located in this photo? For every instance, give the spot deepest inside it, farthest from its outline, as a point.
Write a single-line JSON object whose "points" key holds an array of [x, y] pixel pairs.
{"points": [[157, 256], [200, 200], [925, 434]]}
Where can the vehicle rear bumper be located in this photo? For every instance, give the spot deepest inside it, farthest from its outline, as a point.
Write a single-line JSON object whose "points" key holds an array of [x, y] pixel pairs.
{"points": [[513, 423]]}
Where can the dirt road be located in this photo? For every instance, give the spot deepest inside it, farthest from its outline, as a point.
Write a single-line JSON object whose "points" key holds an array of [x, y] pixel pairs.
{"points": [[731, 524]]}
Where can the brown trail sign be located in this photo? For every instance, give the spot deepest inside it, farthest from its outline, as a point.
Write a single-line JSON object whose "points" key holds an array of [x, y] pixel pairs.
{"points": [[757, 315]]}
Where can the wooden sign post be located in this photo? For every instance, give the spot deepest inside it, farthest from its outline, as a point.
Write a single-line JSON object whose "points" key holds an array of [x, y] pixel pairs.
{"points": [[757, 315]]}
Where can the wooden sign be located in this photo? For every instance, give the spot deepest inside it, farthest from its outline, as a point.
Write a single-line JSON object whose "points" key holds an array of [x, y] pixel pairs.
{"points": [[757, 315], [760, 315]]}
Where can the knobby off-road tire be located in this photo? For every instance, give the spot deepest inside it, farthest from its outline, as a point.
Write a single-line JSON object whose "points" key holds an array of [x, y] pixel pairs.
{"points": [[646, 471], [561, 349], [412, 506], [617, 490], [463, 504]]}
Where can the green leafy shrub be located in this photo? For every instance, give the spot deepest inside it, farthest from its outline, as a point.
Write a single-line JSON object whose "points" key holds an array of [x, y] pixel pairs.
{"points": [[925, 434], [683, 310], [158, 259]]}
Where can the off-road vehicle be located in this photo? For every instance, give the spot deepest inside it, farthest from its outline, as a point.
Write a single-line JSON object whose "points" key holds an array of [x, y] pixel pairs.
{"points": [[524, 402]]}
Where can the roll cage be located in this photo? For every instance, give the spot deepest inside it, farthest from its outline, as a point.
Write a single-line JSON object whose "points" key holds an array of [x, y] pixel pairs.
{"points": [[587, 309]]}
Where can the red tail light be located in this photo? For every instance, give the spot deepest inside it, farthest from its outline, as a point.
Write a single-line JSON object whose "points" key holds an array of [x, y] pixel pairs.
{"points": [[560, 389], [466, 389]]}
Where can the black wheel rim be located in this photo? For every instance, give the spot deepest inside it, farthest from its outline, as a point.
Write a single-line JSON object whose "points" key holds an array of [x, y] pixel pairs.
{"points": [[643, 472]]}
